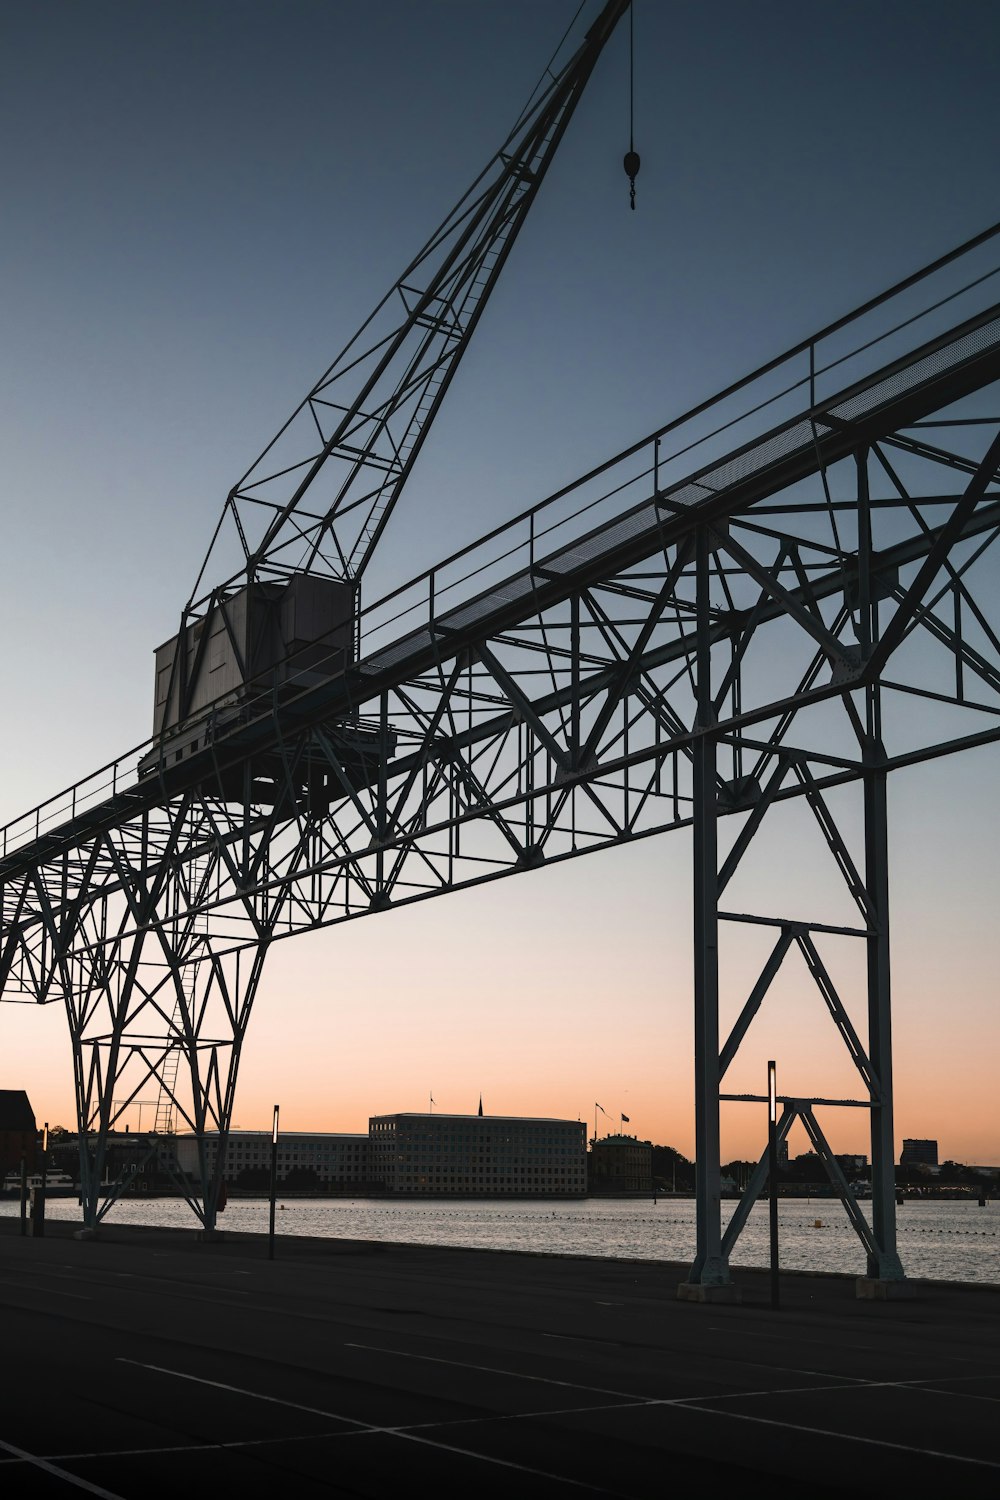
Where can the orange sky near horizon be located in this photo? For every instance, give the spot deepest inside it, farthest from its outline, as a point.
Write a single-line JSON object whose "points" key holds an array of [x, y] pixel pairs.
{"points": [[574, 986]]}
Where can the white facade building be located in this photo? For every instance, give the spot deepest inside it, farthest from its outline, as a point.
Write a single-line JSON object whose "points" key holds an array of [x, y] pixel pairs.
{"points": [[337, 1160]]}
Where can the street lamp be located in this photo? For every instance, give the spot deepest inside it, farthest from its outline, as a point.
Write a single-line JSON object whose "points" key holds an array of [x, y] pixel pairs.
{"points": [[274, 1183], [772, 1175], [38, 1193]]}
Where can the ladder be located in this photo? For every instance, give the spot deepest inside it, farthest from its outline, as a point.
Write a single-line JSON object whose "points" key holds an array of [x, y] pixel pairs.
{"points": [[164, 1120]]}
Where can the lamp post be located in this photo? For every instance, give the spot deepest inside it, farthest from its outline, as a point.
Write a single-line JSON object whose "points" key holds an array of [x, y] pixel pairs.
{"points": [[274, 1183], [772, 1175], [38, 1193]]}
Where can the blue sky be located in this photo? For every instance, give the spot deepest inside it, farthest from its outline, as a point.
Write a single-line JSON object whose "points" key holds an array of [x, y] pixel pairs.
{"points": [[202, 201]]}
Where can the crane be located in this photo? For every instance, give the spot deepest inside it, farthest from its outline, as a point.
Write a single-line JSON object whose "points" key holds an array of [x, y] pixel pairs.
{"points": [[294, 539]]}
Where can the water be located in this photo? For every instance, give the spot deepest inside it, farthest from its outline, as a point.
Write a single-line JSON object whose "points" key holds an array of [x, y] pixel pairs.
{"points": [[943, 1241]]}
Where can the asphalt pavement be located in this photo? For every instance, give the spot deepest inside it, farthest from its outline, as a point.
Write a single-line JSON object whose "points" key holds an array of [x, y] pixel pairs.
{"points": [[146, 1363]]}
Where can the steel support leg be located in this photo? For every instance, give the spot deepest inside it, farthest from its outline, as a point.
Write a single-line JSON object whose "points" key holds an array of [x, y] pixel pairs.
{"points": [[98, 1062], [93, 1150], [213, 1087], [710, 1267], [885, 1265]]}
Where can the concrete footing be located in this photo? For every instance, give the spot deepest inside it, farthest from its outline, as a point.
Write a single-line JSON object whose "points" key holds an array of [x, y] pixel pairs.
{"points": [[696, 1291], [85, 1234], [872, 1289], [211, 1236]]}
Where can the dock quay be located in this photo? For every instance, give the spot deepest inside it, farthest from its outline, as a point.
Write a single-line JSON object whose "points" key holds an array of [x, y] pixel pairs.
{"points": [[147, 1363]]}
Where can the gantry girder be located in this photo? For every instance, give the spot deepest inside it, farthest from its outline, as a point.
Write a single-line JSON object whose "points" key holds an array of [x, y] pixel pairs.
{"points": [[676, 642]]}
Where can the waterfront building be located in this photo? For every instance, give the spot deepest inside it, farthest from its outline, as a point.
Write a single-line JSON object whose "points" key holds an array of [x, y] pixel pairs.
{"points": [[621, 1164], [478, 1155], [305, 1158], [919, 1154], [17, 1131]]}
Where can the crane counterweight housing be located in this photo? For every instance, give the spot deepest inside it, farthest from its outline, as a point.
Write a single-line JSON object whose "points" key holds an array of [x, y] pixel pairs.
{"points": [[264, 637]]}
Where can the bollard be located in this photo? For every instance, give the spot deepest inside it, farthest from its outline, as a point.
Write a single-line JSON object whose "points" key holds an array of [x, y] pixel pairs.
{"points": [[37, 1213]]}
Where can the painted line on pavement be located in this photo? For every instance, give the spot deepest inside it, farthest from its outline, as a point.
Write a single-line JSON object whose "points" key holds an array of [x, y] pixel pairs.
{"points": [[405, 1434], [236, 1390], [51, 1468], [847, 1437], [508, 1463], [830, 1383], [700, 1403], [458, 1364], [600, 1390], [414, 1431]]}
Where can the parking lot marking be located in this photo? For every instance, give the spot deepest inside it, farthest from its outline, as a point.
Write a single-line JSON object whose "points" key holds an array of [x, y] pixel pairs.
{"points": [[847, 1437], [434, 1359], [701, 1403], [51, 1468], [506, 1463], [368, 1427], [236, 1390]]}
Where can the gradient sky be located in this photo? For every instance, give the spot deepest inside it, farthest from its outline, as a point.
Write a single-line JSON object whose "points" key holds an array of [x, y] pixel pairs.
{"points": [[201, 202]]}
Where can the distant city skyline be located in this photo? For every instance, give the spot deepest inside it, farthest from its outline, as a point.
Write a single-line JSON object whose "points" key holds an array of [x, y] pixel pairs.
{"points": [[201, 207]]}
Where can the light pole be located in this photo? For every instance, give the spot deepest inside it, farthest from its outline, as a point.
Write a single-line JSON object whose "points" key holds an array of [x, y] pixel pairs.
{"points": [[38, 1193], [772, 1175], [274, 1183]]}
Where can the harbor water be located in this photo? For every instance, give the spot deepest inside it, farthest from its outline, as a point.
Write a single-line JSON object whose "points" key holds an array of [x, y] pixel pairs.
{"points": [[948, 1241]]}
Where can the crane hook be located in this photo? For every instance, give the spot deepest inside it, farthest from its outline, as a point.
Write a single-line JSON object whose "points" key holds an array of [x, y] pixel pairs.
{"points": [[631, 165]]}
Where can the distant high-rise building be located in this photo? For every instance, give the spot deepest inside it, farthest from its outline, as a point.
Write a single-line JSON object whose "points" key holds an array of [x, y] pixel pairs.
{"points": [[473, 1155], [919, 1154]]}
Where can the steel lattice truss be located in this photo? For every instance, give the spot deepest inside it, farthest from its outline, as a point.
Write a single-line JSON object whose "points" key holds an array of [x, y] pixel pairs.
{"points": [[320, 494], [787, 622]]}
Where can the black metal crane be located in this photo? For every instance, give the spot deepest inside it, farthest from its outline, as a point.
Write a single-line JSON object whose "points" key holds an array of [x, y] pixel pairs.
{"points": [[305, 520], [732, 621]]}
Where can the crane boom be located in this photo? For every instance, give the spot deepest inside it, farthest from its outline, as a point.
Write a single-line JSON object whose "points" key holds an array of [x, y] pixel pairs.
{"points": [[306, 517], [318, 497]]}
